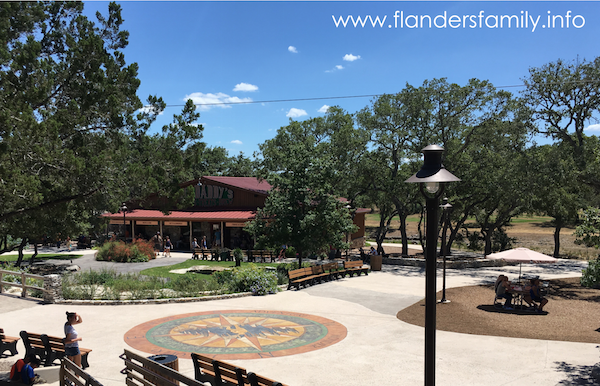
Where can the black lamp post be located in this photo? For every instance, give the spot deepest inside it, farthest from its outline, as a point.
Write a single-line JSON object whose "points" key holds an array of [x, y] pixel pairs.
{"points": [[431, 179], [124, 209], [446, 208]]}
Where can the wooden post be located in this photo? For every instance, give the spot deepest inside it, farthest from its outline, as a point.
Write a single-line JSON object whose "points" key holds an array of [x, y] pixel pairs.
{"points": [[23, 284]]}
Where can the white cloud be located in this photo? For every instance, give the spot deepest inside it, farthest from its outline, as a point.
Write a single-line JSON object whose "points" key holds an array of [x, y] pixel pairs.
{"points": [[595, 127], [237, 141], [292, 49], [149, 109], [207, 101], [351, 58], [245, 87], [324, 109], [336, 68], [295, 113]]}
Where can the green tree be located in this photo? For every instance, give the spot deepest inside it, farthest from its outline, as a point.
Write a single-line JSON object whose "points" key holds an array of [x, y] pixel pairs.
{"points": [[301, 209], [588, 232]]}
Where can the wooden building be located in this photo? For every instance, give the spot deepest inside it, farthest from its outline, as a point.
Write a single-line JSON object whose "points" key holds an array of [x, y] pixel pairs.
{"points": [[222, 206]]}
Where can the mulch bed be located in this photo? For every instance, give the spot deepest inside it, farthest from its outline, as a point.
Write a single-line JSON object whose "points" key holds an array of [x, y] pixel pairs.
{"points": [[572, 314]]}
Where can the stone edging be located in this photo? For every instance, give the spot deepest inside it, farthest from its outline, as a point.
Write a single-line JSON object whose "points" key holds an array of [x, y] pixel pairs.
{"points": [[156, 301]]}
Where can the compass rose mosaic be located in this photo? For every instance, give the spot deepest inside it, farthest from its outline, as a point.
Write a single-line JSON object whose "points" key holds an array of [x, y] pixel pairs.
{"points": [[236, 334]]}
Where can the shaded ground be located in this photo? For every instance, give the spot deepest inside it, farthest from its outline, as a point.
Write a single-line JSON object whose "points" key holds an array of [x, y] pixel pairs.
{"points": [[573, 314]]}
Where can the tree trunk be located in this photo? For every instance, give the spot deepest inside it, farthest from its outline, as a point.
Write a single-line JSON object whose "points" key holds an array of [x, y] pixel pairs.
{"points": [[557, 229], [35, 252], [21, 246], [487, 236], [403, 233]]}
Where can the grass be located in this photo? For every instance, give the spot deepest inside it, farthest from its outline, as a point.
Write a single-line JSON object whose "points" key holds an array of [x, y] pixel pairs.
{"points": [[165, 271], [40, 256]]}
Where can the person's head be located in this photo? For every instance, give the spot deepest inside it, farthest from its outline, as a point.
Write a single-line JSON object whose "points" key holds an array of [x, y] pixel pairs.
{"points": [[29, 357], [71, 316], [195, 239], [35, 362]]}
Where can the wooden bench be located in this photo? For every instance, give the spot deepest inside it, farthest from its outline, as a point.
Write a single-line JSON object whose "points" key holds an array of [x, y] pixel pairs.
{"points": [[8, 343], [302, 276], [142, 371], [204, 254], [334, 271], [262, 254], [318, 273], [207, 369], [50, 348], [355, 267], [71, 374]]}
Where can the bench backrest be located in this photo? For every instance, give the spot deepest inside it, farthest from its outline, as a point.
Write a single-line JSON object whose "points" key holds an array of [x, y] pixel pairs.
{"points": [[203, 367], [317, 269], [298, 273], [353, 264], [71, 374], [257, 380], [54, 342], [31, 339], [145, 372], [330, 267], [229, 373]]}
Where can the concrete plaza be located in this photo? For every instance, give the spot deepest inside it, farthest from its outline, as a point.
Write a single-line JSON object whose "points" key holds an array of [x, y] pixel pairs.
{"points": [[379, 349]]}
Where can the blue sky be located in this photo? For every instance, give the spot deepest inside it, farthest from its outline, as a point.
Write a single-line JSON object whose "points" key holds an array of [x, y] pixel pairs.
{"points": [[271, 51]]}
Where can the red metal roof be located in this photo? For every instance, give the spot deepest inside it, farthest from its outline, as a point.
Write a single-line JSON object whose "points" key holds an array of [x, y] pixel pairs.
{"points": [[247, 183], [138, 214]]}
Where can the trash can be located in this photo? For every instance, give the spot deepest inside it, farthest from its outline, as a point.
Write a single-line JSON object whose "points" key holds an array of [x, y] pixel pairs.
{"points": [[376, 262], [168, 360]]}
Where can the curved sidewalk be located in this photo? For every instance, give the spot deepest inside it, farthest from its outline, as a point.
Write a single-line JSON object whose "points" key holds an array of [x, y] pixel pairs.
{"points": [[379, 349]]}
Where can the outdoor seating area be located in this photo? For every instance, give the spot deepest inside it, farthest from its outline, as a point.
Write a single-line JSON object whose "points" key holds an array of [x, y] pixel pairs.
{"points": [[322, 272], [49, 348]]}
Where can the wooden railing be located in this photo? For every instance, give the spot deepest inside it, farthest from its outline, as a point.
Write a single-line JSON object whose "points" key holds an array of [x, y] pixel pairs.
{"points": [[23, 285], [71, 375]]}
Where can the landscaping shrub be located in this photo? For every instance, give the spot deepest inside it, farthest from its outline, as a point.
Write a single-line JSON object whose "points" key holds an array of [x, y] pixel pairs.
{"points": [[591, 275], [290, 252], [251, 278], [138, 251], [191, 285]]}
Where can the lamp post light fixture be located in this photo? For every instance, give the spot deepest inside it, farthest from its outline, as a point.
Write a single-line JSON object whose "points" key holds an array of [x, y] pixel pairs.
{"points": [[446, 208], [124, 209], [431, 178]]}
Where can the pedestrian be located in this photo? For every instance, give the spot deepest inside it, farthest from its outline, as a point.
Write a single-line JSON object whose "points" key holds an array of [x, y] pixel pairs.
{"points": [[168, 246], [28, 376], [72, 338], [282, 252], [194, 247], [203, 243], [68, 242]]}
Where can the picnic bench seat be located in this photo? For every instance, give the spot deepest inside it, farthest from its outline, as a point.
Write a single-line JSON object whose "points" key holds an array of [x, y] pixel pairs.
{"points": [[8, 343], [355, 267], [207, 369], [49, 348], [301, 276]]}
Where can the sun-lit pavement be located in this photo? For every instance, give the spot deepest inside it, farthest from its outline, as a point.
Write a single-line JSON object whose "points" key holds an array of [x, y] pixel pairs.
{"points": [[378, 349]]}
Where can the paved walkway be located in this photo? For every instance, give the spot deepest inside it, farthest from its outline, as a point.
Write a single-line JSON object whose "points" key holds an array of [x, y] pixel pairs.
{"points": [[379, 349]]}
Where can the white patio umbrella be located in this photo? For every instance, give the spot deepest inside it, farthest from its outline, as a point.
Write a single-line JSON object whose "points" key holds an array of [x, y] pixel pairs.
{"points": [[522, 255]]}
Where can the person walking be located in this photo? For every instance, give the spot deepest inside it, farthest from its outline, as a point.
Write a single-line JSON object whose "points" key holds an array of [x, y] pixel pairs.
{"points": [[168, 246]]}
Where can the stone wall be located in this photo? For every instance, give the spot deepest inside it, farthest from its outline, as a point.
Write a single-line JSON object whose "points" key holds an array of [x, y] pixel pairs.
{"points": [[52, 288]]}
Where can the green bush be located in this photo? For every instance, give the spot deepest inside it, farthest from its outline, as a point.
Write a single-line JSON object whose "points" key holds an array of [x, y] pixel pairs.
{"points": [[136, 252], [251, 278], [290, 252], [191, 285], [591, 275]]}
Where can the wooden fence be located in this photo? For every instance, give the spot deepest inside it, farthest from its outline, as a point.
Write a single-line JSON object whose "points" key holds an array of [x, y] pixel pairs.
{"points": [[23, 285]]}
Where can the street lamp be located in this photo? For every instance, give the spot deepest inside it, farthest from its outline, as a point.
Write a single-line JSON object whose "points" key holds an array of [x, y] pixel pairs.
{"points": [[124, 209], [446, 208], [431, 178]]}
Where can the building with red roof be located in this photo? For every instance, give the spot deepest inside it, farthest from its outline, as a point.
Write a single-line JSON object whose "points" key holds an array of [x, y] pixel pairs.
{"points": [[222, 207]]}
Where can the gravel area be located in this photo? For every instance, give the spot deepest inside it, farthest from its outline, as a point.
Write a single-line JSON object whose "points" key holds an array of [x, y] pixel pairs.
{"points": [[572, 314]]}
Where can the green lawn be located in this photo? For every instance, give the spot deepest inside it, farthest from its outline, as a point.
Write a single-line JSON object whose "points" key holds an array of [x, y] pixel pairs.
{"points": [[41, 256], [164, 271]]}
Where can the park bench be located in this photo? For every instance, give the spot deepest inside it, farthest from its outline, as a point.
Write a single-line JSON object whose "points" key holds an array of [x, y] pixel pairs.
{"points": [[262, 254], [334, 271], [207, 369], [71, 375], [8, 343], [301, 276], [49, 348], [141, 371], [318, 273], [201, 253], [355, 267]]}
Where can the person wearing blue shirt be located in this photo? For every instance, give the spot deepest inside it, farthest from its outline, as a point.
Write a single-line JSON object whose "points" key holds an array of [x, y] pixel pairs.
{"points": [[27, 374]]}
